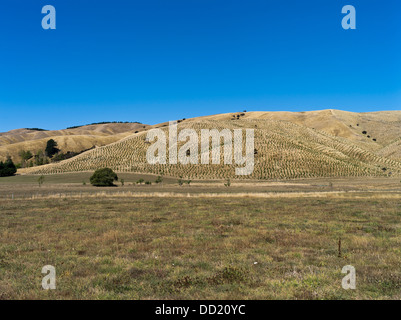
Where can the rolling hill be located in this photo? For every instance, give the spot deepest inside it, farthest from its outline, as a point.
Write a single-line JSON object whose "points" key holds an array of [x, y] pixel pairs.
{"points": [[327, 143], [75, 139]]}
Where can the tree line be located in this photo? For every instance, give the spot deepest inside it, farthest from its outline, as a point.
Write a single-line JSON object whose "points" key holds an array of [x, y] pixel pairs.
{"points": [[103, 122], [28, 159], [50, 154], [8, 168]]}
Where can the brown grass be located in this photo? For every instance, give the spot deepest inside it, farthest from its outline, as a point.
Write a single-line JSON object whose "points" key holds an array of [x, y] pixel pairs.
{"points": [[200, 248]]}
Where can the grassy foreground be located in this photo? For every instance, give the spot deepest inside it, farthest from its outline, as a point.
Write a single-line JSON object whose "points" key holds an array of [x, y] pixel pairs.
{"points": [[200, 248]]}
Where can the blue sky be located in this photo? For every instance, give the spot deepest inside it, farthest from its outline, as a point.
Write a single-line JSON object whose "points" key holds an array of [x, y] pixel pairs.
{"points": [[156, 60]]}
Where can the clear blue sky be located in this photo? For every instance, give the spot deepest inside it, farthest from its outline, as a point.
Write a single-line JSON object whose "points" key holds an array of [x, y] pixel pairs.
{"points": [[159, 60]]}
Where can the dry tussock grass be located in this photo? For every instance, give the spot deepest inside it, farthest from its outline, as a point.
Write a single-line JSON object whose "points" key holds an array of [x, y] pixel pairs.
{"points": [[235, 195], [200, 248]]}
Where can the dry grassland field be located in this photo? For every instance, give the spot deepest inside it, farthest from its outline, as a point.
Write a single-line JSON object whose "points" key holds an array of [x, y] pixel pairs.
{"points": [[254, 239], [199, 159]]}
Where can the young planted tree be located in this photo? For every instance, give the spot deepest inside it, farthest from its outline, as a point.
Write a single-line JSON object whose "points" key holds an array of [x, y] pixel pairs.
{"points": [[41, 179], [180, 181], [103, 178]]}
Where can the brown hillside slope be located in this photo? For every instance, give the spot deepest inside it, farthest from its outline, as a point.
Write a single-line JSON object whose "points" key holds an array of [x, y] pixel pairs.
{"points": [[384, 126], [392, 150], [75, 140], [326, 143]]}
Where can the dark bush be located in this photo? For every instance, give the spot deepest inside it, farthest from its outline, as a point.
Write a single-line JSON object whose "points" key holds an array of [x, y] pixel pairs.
{"points": [[7, 168], [36, 129], [103, 178], [51, 148]]}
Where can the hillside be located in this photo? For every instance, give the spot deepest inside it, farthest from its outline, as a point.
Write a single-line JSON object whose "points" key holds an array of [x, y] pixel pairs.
{"points": [[74, 139], [382, 126], [328, 143]]}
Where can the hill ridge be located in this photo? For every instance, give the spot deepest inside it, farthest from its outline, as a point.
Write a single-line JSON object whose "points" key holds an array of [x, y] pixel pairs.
{"points": [[286, 149], [74, 140]]}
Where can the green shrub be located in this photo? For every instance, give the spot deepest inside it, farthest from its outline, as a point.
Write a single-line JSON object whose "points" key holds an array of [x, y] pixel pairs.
{"points": [[7, 168], [41, 179], [103, 178]]}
